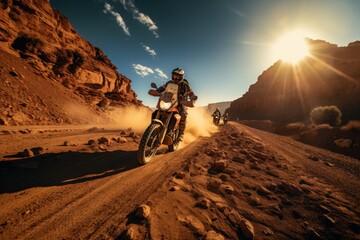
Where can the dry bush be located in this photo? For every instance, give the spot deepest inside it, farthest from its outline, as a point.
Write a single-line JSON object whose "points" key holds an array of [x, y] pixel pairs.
{"points": [[326, 115], [67, 59], [352, 125], [26, 43], [77, 61], [295, 126]]}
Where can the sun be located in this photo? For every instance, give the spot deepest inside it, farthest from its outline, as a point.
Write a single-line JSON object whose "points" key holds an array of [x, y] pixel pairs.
{"points": [[291, 47]]}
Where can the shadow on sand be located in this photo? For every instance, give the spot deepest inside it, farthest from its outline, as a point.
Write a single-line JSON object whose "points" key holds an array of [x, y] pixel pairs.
{"points": [[56, 169]]}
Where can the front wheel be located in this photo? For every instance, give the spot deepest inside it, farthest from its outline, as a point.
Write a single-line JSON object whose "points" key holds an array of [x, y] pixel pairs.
{"points": [[174, 146], [149, 144]]}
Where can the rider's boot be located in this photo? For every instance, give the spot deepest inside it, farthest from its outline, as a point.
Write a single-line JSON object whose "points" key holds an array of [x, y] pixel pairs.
{"points": [[182, 126]]}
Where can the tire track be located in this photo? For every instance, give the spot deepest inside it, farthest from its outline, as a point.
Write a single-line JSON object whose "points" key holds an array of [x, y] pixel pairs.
{"points": [[91, 208]]}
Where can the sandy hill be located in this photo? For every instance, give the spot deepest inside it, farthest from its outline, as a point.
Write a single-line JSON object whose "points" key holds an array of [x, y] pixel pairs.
{"points": [[50, 74], [284, 93]]}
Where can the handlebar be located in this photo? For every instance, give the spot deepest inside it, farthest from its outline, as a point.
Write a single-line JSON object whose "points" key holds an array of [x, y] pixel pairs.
{"points": [[153, 92]]}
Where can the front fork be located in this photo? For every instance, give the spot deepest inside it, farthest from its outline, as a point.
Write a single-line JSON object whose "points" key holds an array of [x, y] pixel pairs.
{"points": [[164, 126]]}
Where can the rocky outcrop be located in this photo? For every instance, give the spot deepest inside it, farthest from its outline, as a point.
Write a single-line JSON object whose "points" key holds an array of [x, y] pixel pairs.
{"points": [[45, 40], [286, 93]]}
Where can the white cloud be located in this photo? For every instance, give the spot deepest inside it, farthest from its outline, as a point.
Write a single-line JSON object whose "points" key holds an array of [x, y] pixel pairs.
{"points": [[160, 73], [141, 17], [149, 50], [120, 21], [142, 70], [123, 2]]}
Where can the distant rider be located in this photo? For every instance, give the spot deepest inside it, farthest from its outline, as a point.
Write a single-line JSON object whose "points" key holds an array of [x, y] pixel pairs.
{"points": [[184, 92], [225, 118], [216, 113]]}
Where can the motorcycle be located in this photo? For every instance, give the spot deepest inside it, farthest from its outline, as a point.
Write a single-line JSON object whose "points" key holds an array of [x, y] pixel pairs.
{"points": [[164, 127], [216, 119], [225, 119]]}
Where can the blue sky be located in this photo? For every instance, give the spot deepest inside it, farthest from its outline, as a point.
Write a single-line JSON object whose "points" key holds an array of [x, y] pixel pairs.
{"points": [[223, 45]]}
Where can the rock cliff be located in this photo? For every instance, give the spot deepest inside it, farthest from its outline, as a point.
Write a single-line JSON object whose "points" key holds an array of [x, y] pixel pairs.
{"points": [[37, 41], [286, 93]]}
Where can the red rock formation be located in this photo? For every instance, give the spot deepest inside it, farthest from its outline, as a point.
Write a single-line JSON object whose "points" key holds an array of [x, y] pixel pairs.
{"points": [[286, 93], [41, 36]]}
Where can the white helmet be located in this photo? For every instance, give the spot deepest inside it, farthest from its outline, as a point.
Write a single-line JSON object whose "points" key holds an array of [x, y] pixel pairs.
{"points": [[177, 74]]}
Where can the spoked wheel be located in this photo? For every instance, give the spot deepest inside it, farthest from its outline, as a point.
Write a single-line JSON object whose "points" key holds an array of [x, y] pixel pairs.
{"points": [[149, 144], [173, 147]]}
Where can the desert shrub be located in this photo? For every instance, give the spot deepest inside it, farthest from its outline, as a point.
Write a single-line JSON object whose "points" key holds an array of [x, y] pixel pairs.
{"points": [[326, 115], [67, 59], [43, 56], [295, 126], [77, 61], [62, 60], [352, 125], [27, 43]]}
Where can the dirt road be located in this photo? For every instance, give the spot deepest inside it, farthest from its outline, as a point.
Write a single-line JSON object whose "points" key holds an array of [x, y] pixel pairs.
{"points": [[77, 195], [87, 193]]}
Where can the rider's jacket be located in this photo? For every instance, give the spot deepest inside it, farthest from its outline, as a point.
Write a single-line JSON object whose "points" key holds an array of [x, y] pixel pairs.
{"points": [[184, 90], [216, 113]]}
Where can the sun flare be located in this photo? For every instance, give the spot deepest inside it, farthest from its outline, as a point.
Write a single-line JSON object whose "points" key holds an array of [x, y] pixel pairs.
{"points": [[291, 47]]}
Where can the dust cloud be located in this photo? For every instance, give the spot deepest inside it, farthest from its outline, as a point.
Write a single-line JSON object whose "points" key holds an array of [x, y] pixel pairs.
{"points": [[199, 124], [81, 114], [137, 118], [199, 121]]}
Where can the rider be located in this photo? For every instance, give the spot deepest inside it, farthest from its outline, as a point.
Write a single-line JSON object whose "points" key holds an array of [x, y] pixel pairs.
{"points": [[216, 113], [226, 117], [184, 91]]}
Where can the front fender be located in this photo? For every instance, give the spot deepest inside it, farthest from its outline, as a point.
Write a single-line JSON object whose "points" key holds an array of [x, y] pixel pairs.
{"points": [[158, 121]]}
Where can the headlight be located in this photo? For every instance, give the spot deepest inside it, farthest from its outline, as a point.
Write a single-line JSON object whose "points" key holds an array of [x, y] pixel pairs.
{"points": [[164, 105]]}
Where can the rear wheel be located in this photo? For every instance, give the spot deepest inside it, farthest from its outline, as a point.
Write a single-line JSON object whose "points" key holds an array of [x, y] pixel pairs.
{"points": [[173, 147], [149, 143]]}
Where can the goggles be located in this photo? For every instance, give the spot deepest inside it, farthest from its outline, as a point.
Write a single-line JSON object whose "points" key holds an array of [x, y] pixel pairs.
{"points": [[177, 76]]}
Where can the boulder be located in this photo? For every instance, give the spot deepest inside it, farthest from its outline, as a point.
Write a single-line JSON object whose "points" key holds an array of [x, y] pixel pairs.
{"points": [[3, 121], [91, 142], [290, 189], [220, 165], [143, 211], [263, 191], [212, 235], [203, 203], [344, 143], [239, 159], [104, 140], [38, 150], [247, 229], [221, 206], [27, 153], [227, 188]]}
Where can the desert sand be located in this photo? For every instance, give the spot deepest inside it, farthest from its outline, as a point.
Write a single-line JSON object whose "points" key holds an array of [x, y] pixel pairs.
{"points": [[236, 183]]}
